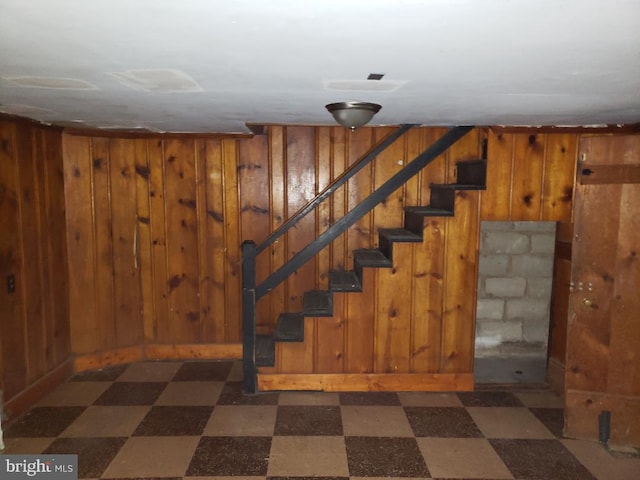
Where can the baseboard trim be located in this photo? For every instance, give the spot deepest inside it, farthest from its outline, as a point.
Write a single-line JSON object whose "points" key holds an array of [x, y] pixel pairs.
{"points": [[582, 409], [367, 382], [119, 356], [27, 398]]}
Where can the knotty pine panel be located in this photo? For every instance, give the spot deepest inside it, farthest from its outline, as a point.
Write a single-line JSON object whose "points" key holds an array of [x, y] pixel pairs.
{"points": [[156, 224], [34, 329], [530, 177]]}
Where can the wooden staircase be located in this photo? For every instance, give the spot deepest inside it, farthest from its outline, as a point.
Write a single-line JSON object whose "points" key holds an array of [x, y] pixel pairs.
{"points": [[470, 175]]}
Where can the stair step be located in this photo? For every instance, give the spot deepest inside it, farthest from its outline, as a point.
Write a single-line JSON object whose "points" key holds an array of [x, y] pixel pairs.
{"points": [[371, 257], [317, 303], [399, 235], [265, 351], [471, 172], [429, 211], [414, 217], [290, 328], [460, 186], [389, 236], [344, 282]]}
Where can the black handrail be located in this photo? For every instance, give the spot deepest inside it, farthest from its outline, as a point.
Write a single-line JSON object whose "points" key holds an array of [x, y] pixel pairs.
{"points": [[360, 210], [332, 187]]}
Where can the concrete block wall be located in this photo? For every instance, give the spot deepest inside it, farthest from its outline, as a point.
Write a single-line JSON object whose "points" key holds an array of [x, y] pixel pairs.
{"points": [[514, 288]]}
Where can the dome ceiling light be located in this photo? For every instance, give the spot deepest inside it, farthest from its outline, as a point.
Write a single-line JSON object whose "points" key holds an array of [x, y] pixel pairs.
{"points": [[353, 114]]}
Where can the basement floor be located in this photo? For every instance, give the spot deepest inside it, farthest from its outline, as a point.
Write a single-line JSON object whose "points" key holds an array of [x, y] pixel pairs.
{"points": [[190, 419]]}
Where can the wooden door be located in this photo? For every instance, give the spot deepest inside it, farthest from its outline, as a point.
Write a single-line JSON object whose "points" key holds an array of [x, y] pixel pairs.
{"points": [[603, 337]]}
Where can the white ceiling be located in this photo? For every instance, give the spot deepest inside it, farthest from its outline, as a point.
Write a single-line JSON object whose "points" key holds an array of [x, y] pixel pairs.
{"points": [[213, 66]]}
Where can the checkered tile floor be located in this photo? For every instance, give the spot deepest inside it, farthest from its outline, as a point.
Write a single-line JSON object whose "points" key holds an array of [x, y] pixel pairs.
{"points": [[190, 419]]}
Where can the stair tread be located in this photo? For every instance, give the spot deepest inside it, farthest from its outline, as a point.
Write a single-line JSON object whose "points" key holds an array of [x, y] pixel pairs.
{"points": [[472, 162], [429, 211], [265, 351], [371, 258], [344, 281], [317, 303], [399, 235], [290, 328]]}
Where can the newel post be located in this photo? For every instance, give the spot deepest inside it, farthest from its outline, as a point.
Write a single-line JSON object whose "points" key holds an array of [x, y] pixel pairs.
{"points": [[249, 316]]}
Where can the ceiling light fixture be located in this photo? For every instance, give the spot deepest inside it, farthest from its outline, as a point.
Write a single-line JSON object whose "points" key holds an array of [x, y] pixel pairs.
{"points": [[353, 114]]}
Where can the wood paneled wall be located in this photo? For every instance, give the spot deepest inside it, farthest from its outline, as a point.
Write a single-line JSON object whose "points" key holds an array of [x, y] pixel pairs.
{"points": [[153, 227], [156, 225], [34, 320], [530, 177]]}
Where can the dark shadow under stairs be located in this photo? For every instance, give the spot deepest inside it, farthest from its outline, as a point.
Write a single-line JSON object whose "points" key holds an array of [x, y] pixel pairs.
{"points": [[470, 175]]}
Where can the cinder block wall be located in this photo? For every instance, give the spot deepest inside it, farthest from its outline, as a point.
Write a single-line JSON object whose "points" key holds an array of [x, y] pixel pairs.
{"points": [[514, 288]]}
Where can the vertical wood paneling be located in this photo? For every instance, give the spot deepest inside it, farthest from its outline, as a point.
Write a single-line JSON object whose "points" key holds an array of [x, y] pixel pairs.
{"points": [[528, 171], [12, 327], [393, 313], [212, 289], [126, 306], [253, 178], [277, 299], [31, 286], [143, 257], [102, 239], [233, 240], [85, 335], [559, 173], [360, 234], [182, 241], [428, 278], [301, 187], [55, 267], [460, 267], [34, 321], [496, 201], [158, 254]]}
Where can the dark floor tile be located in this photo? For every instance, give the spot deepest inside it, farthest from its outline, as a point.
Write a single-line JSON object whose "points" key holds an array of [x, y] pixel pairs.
{"points": [[94, 454], [143, 478], [489, 399], [131, 393], [369, 398], [307, 478], [540, 460], [308, 420], [216, 371], [442, 422], [385, 457], [232, 394], [165, 421], [230, 456], [44, 422], [108, 374], [552, 418]]}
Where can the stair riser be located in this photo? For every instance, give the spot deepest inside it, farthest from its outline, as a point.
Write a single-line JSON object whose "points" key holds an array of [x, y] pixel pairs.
{"points": [[444, 198]]}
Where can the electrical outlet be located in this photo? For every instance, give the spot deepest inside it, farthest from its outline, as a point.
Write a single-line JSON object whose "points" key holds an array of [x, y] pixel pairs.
{"points": [[11, 283]]}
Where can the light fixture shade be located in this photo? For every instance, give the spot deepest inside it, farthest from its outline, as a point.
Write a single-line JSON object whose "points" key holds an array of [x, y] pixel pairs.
{"points": [[353, 114]]}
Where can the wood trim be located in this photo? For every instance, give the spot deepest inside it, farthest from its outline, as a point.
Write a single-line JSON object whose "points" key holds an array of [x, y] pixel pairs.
{"points": [[218, 351], [366, 382], [119, 356], [582, 409], [28, 397], [555, 376]]}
